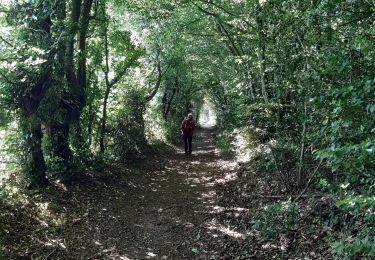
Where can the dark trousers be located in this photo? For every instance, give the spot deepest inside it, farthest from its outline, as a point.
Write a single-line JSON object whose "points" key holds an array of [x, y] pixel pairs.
{"points": [[187, 142]]}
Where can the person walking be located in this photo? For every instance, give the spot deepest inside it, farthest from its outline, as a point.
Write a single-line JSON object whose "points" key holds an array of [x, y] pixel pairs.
{"points": [[187, 128]]}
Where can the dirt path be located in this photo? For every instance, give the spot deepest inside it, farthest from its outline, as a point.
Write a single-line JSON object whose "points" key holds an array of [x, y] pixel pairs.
{"points": [[164, 208]]}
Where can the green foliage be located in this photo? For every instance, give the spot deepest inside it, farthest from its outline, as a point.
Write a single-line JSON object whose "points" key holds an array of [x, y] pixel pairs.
{"points": [[236, 115], [57, 168], [224, 141], [4, 118], [297, 76], [172, 131], [277, 218], [352, 247], [347, 129], [356, 237], [359, 202], [127, 128]]}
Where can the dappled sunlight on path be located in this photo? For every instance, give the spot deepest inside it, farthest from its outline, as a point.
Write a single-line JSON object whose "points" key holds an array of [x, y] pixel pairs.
{"points": [[167, 209]]}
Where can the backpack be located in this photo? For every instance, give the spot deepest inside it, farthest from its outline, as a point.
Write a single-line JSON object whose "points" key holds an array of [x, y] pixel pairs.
{"points": [[187, 127]]}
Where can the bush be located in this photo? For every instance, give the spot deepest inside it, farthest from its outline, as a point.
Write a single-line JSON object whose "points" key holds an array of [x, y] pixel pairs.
{"points": [[127, 131], [355, 235], [224, 141], [277, 218]]}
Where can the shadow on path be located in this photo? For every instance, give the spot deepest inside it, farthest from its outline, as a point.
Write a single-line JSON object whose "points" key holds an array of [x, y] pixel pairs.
{"points": [[163, 208]]}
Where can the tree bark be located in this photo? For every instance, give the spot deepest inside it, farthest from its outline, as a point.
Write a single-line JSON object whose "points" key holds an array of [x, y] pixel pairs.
{"points": [[58, 127], [168, 103], [80, 92], [69, 60], [35, 163], [158, 82], [261, 60], [306, 97], [30, 122], [82, 37], [249, 81], [261, 54], [91, 112], [109, 84], [75, 72]]}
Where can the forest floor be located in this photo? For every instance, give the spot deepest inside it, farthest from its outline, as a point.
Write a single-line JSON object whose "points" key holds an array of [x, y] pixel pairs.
{"points": [[167, 206], [163, 207]]}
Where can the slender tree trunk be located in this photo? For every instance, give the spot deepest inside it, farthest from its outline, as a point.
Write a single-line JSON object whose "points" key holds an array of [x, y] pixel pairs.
{"points": [[104, 117], [302, 152], [36, 166], [169, 103], [250, 86], [58, 127], [80, 92], [261, 60], [90, 125], [107, 83], [261, 54], [82, 37], [69, 57], [91, 114], [306, 97], [77, 80], [150, 96]]}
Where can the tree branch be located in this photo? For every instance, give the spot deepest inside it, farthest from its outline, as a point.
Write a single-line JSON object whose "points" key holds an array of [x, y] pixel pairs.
{"points": [[150, 96], [220, 7], [224, 32], [7, 80], [309, 181], [356, 20], [226, 11], [123, 71], [7, 42]]}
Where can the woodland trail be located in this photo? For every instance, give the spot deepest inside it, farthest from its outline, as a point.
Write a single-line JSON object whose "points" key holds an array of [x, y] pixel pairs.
{"points": [[161, 208]]}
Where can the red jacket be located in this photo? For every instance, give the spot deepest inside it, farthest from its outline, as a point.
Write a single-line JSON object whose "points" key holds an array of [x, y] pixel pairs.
{"points": [[187, 126]]}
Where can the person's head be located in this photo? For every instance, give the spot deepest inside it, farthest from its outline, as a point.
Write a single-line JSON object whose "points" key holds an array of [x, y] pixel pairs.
{"points": [[190, 116]]}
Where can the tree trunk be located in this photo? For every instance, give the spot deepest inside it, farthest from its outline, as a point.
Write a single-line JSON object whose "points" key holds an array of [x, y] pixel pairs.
{"points": [[305, 82], [75, 99], [59, 135], [249, 81], [79, 94], [169, 103], [58, 127], [104, 117], [36, 167], [261, 60], [260, 53], [107, 83], [150, 96], [91, 115]]}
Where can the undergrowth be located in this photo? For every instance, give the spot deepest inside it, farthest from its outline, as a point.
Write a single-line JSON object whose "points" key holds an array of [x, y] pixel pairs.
{"points": [[332, 217]]}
